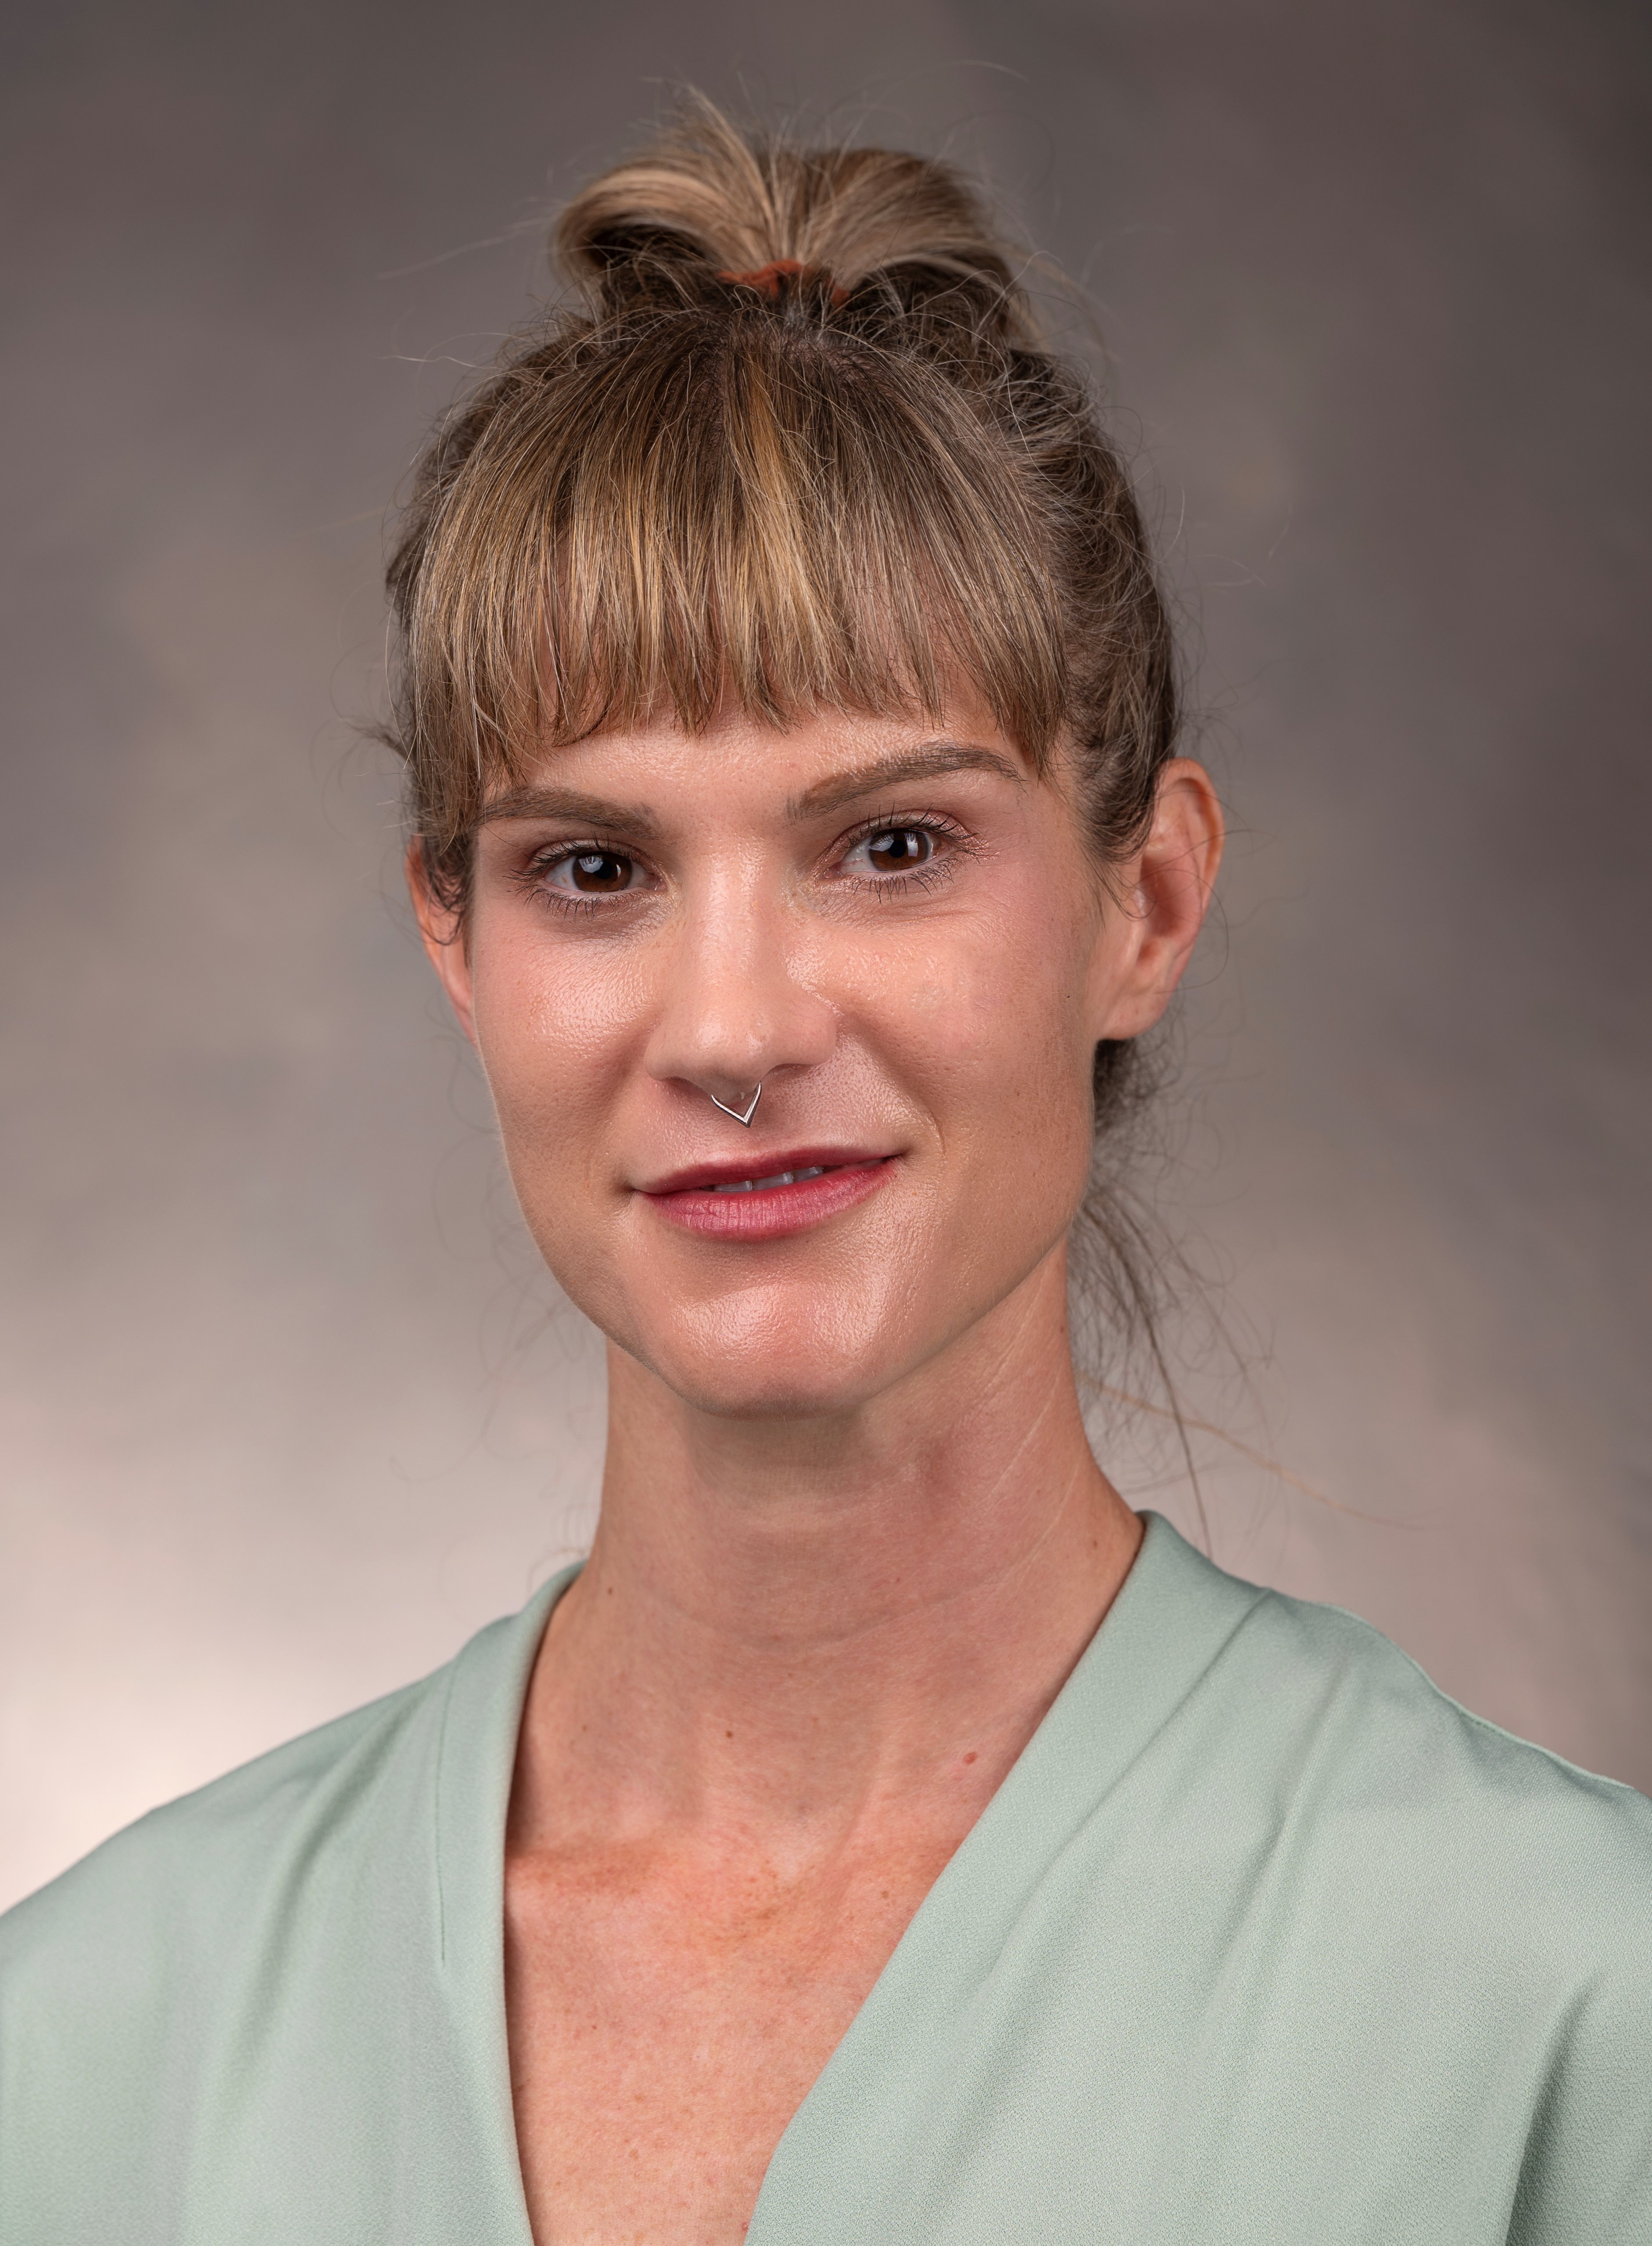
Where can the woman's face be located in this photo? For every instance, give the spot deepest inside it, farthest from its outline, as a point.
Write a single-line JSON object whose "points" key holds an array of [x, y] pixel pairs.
{"points": [[899, 934]]}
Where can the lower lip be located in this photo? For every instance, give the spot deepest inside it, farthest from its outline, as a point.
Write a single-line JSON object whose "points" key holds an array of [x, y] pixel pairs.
{"points": [[771, 1215]]}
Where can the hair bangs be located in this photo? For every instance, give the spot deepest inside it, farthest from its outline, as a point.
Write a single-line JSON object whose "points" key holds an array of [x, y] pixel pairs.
{"points": [[713, 520]]}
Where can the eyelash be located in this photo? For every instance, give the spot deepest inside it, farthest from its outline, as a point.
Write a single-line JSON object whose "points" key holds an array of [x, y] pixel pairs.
{"points": [[939, 869], [930, 876], [531, 879]]}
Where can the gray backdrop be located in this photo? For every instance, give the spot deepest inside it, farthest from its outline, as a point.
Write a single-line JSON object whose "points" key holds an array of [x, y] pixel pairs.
{"points": [[287, 1411]]}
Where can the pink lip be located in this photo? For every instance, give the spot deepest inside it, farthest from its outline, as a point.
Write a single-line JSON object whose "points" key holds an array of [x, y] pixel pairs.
{"points": [[848, 1176]]}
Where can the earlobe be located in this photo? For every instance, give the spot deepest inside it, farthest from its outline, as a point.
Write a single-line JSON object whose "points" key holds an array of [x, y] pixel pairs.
{"points": [[441, 931]]}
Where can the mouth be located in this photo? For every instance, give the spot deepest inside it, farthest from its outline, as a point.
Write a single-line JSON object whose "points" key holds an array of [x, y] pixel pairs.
{"points": [[780, 1193]]}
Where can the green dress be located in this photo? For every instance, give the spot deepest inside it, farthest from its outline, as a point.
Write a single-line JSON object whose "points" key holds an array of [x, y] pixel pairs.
{"points": [[1262, 1939]]}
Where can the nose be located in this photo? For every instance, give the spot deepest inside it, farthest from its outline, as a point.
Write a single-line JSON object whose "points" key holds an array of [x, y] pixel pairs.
{"points": [[736, 1007]]}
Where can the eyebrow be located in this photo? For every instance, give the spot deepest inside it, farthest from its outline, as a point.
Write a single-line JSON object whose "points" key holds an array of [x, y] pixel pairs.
{"points": [[579, 810], [934, 759], [928, 762]]}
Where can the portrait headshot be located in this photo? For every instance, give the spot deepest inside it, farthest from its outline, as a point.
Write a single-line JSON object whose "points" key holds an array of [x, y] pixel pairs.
{"points": [[828, 1080]]}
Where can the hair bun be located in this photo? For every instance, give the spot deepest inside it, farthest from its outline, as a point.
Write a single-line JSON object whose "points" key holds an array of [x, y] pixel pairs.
{"points": [[710, 204]]}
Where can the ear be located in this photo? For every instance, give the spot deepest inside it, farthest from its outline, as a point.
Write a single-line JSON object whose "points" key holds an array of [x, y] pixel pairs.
{"points": [[443, 930], [1168, 890]]}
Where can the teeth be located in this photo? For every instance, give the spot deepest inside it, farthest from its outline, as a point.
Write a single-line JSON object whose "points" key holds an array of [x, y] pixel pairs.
{"points": [[767, 1185]]}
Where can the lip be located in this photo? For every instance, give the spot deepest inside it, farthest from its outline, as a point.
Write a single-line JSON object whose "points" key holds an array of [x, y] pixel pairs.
{"points": [[849, 1175], [762, 1162]]}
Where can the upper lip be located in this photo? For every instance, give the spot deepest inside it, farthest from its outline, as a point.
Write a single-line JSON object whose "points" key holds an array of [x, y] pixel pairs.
{"points": [[763, 1164]]}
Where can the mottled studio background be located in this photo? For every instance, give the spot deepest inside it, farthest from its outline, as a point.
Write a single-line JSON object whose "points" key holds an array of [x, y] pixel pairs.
{"points": [[284, 1414]]}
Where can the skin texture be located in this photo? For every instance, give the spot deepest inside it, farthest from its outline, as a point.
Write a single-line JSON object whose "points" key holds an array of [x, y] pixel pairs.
{"points": [[852, 1539]]}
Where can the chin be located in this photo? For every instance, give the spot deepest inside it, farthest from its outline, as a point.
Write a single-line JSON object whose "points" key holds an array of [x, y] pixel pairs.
{"points": [[779, 1351]]}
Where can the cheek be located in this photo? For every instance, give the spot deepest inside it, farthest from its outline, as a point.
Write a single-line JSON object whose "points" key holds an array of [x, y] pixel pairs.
{"points": [[1007, 1007], [555, 1027], [991, 1037]]}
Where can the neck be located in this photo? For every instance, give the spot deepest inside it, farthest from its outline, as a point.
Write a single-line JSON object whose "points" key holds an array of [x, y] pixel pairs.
{"points": [[787, 1623]]}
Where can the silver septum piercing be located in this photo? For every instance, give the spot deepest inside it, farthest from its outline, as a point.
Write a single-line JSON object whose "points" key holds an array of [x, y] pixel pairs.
{"points": [[751, 1110]]}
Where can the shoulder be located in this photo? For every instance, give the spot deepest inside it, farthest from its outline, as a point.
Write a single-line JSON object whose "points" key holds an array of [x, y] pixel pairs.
{"points": [[180, 1880], [1432, 1888], [1411, 1746], [1498, 1844], [133, 1986], [289, 1822], [184, 2002], [152, 1928]]}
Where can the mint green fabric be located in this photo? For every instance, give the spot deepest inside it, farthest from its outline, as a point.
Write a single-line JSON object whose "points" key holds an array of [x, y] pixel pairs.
{"points": [[1262, 1939]]}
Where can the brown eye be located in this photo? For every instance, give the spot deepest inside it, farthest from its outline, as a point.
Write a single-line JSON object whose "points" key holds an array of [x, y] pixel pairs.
{"points": [[899, 849], [597, 873]]}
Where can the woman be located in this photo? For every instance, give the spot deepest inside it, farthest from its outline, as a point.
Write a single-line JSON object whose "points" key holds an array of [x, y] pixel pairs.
{"points": [[887, 1836]]}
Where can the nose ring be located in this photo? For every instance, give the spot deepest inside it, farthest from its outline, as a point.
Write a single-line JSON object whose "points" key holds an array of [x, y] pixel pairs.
{"points": [[751, 1110]]}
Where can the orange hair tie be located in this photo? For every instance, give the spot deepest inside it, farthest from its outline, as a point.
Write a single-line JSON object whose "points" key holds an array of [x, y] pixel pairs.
{"points": [[768, 277]]}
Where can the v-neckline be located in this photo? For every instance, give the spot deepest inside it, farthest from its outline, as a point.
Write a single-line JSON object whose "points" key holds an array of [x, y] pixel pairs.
{"points": [[1168, 1621]]}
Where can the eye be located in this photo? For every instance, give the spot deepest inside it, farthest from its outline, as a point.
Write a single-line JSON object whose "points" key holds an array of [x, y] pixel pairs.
{"points": [[898, 849], [592, 873]]}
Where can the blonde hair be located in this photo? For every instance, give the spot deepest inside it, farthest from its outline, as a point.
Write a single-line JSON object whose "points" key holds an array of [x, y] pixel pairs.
{"points": [[790, 441]]}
